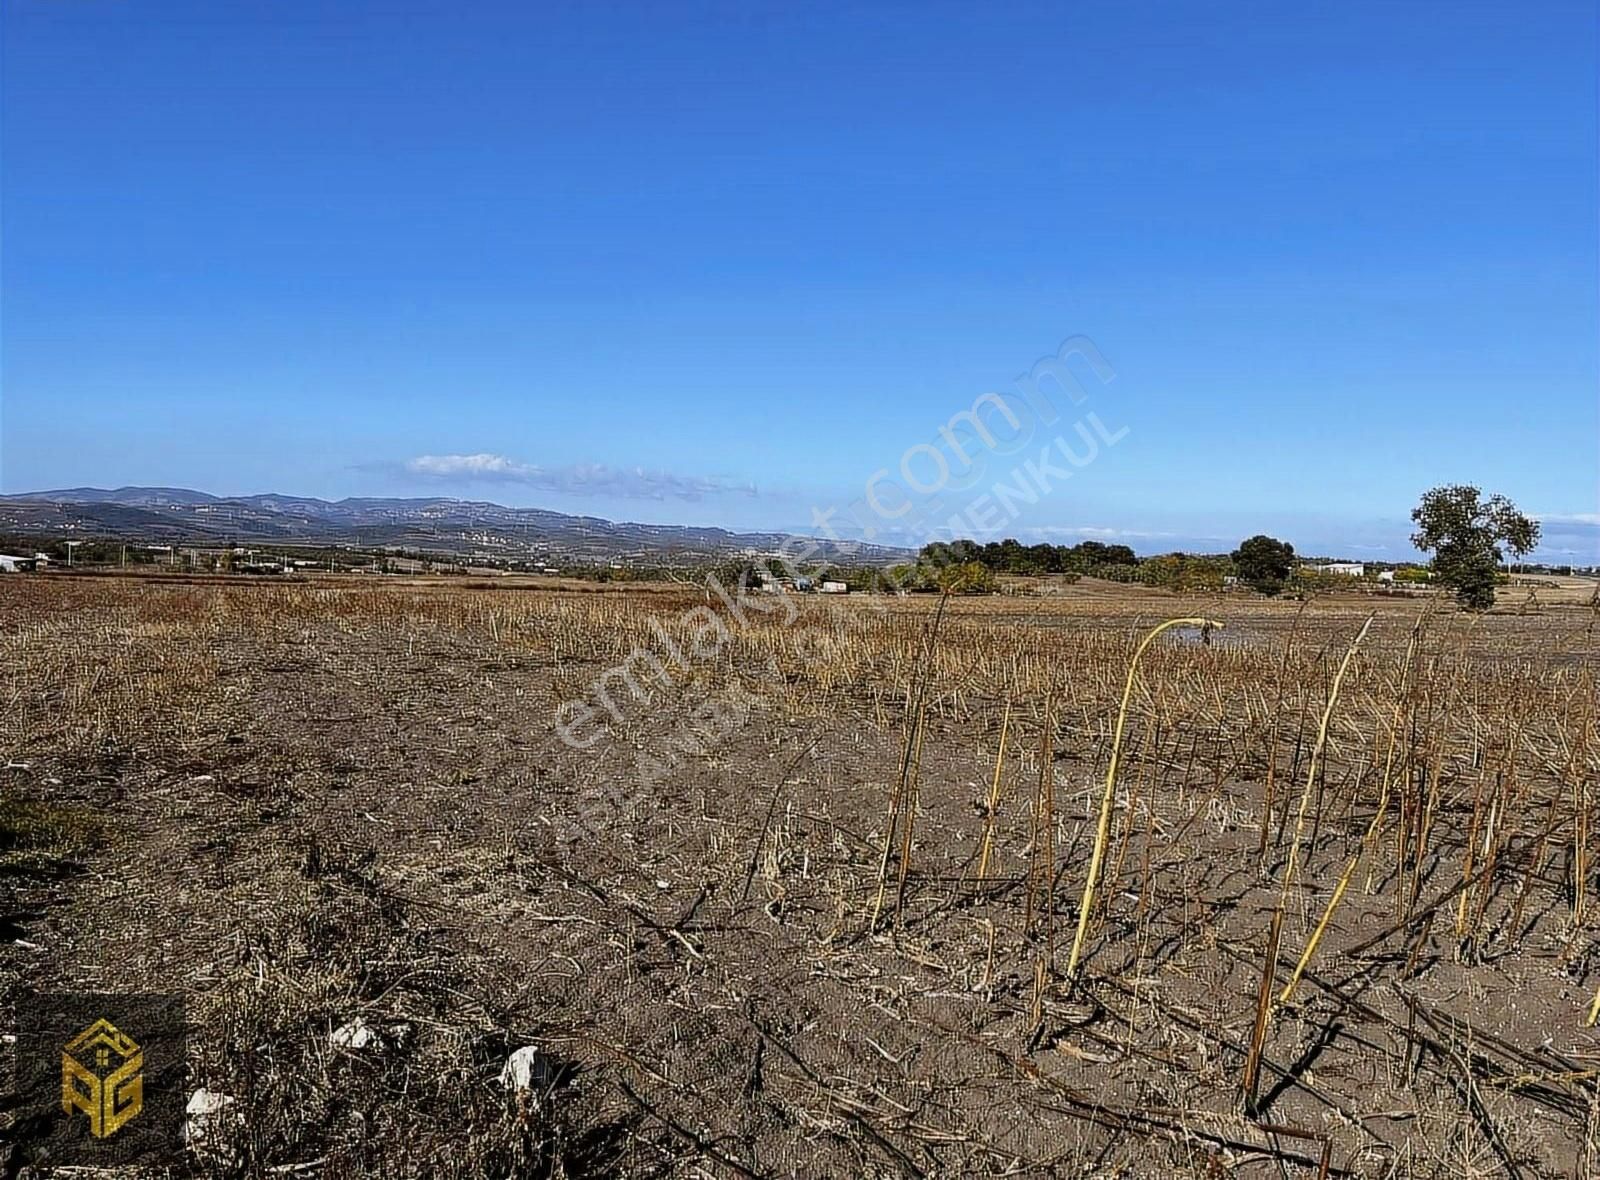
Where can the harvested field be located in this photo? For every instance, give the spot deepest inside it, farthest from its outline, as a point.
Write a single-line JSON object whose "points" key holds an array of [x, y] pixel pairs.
{"points": [[767, 922]]}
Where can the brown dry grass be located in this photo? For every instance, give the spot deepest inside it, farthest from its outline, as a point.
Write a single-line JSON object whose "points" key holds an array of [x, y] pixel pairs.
{"points": [[357, 796]]}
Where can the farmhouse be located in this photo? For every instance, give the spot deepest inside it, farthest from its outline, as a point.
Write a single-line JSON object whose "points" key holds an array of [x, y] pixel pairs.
{"points": [[1348, 569], [834, 588], [16, 565]]}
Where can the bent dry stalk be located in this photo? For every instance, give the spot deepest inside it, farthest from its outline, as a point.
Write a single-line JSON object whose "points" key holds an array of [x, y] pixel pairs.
{"points": [[1300, 820], [1370, 838], [1103, 830]]}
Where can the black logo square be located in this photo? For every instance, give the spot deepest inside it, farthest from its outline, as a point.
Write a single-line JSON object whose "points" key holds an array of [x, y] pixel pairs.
{"points": [[100, 1078]]}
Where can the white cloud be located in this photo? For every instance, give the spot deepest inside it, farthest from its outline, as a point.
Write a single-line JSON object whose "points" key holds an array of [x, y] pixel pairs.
{"points": [[1105, 534], [1565, 536], [588, 479], [482, 466]]}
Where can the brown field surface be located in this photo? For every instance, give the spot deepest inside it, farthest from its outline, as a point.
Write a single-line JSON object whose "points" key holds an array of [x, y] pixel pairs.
{"points": [[751, 926]]}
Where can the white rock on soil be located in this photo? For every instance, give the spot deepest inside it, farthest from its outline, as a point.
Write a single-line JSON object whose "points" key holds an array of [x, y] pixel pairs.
{"points": [[528, 1071], [357, 1034], [201, 1119]]}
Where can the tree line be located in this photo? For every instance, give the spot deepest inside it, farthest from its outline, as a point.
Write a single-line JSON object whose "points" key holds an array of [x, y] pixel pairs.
{"points": [[1469, 535], [1013, 557]]}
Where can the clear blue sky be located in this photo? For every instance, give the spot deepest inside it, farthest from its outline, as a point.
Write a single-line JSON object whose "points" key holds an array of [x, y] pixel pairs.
{"points": [[655, 256]]}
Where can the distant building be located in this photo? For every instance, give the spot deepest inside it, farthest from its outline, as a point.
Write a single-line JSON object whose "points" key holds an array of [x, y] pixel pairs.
{"points": [[1348, 569], [1386, 576], [834, 588], [17, 565]]}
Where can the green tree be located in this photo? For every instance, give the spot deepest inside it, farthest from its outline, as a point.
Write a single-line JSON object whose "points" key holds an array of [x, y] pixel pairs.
{"points": [[1465, 532], [1263, 563], [1183, 571], [943, 553], [970, 577]]}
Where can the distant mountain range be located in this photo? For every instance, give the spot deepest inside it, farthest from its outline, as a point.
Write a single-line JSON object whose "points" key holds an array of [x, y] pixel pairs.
{"points": [[462, 528]]}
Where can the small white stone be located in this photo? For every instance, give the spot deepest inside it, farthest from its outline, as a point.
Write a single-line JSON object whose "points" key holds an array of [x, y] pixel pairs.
{"points": [[201, 1119], [357, 1034], [528, 1071], [203, 1102]]}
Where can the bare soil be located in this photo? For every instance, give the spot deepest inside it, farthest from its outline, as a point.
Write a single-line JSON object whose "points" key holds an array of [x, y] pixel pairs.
{"points": [[299, 806]]}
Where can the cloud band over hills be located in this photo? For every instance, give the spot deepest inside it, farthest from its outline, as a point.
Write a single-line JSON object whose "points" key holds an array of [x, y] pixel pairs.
{"points": [[585, 479]]}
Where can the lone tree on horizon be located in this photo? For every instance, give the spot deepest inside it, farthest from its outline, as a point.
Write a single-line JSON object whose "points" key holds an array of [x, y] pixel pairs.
{"points": [[1264, 563], [1465, 533]]}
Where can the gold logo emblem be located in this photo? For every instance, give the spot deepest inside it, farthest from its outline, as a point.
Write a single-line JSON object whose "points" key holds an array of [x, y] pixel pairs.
{"points": [[102, 1075]]}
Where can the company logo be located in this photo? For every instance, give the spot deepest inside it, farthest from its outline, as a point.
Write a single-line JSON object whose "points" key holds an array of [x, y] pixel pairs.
{"points": [[101, 1080], [102, 1075]]}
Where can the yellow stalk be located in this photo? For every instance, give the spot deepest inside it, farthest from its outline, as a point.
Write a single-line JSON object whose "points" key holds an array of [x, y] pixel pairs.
{"points": [[1394, 731], [994, 795], [1368, 840], [913, 792], [1300, 823], [1316, 758], [1103, 831], [1316, 935]]}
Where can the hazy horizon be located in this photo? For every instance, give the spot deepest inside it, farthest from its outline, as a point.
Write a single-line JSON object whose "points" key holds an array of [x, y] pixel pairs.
{"points": [[1385, 541]]}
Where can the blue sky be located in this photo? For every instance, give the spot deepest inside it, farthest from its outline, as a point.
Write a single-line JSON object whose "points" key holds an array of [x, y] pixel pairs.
{"points": [[720, 263]]}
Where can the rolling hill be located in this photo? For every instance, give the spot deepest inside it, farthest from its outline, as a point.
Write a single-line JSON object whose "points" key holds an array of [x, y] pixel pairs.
{"points": [[159, 515]]}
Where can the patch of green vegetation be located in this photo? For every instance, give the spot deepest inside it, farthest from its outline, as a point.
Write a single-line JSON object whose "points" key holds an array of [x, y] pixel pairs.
{"points": [[35, 835]]}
